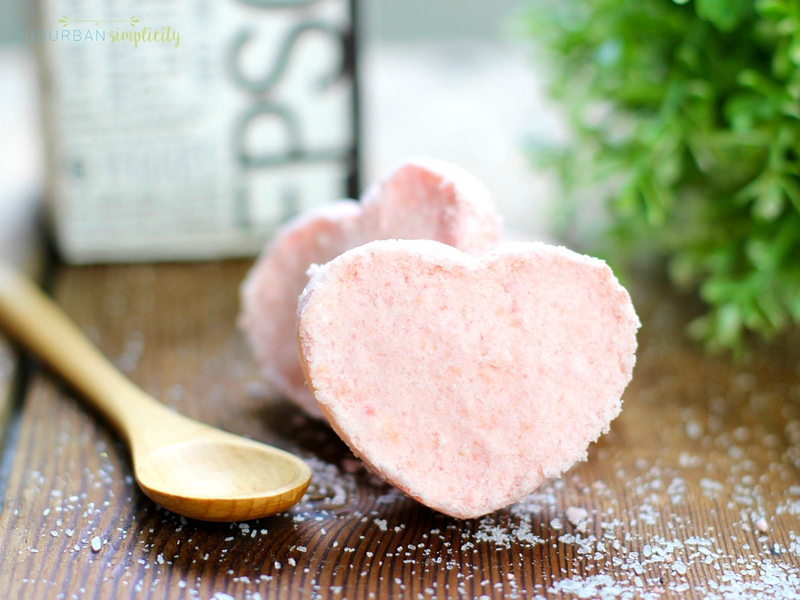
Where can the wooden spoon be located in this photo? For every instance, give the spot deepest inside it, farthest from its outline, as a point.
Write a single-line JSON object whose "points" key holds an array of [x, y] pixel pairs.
{"points": [[185, 466]]}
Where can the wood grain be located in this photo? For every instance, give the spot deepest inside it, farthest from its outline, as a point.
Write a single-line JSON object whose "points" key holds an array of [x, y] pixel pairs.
{"points": [[185, 466], [694, 493]]}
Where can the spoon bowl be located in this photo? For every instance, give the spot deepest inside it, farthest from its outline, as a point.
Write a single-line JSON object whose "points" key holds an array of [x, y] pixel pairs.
{"points": [[185, 466], [183, 476]]}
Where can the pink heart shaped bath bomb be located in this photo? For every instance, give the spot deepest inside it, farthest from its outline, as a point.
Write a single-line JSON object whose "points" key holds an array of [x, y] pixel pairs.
{"points": [[422, 199], [467, 382]]}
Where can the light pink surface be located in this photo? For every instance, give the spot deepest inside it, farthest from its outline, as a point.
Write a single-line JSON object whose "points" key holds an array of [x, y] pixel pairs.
{"points": [[421, 199], [466, 382]]}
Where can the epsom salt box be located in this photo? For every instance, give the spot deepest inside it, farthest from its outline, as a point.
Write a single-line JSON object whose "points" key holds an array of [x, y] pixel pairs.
{"points": [[188, 129]]}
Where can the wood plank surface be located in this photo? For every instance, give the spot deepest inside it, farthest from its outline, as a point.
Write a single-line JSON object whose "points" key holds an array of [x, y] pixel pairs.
{"points": [[694, 493]]}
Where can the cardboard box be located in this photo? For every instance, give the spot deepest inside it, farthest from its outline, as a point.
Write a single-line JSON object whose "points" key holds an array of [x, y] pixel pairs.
{"points": [[189, 129]]}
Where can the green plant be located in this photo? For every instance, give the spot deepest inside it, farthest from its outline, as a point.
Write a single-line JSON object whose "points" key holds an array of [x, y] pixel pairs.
{"points": [[697, 139]]}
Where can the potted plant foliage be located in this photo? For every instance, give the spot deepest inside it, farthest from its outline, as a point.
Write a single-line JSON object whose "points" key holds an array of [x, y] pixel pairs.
{"points": [[686, 113]]}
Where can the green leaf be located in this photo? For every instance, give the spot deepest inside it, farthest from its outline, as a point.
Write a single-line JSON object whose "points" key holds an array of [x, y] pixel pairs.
{"points": [[726, 15], [792, 188], [696, 145], [769, 203], [728, 324], [772, 309]]}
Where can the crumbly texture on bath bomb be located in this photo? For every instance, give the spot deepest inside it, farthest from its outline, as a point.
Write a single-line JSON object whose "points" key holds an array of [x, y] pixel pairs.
{"points": [[467, 382], [421, 199]]}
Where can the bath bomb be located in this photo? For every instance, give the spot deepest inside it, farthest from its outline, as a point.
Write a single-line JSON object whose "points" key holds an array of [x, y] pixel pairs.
{"points": [[421, 199], [466, 382]]}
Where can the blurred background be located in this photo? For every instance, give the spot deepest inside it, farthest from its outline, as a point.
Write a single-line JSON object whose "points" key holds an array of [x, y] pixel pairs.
{"points": [[662, 133], [450, 79]]}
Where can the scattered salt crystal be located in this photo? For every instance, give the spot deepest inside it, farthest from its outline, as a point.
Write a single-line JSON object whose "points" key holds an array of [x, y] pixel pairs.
{"points": [[679, 568], [694, 430], [710, 487], [556, 523], [761, 525], [575, 515], [381, 523], [96, 544]]}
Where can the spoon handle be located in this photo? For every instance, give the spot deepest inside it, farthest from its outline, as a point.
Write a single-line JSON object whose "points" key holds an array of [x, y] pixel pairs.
{"points": [[39, 324]]}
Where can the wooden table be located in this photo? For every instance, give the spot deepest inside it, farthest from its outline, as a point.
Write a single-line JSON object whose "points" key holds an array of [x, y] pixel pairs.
{"points": [[694, 493]]}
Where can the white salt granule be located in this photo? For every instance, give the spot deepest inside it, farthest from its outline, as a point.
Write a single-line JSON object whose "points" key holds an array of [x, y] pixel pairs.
{"points": [[576, 515], [761, 525], [694, 430], [97, 543]]}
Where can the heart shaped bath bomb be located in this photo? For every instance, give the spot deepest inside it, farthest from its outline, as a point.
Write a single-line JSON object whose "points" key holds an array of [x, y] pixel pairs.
{"points": [[421, 199], [467, 382]]}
